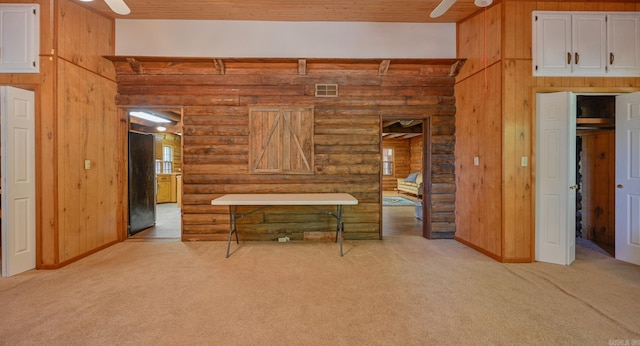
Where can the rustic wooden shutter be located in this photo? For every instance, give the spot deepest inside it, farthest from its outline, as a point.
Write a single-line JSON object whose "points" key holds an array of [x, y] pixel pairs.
{"points": [[281, 140]]}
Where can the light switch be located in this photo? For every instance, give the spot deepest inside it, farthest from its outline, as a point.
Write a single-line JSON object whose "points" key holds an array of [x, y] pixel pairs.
{"points": [[476, 161], [524, 161], [87, 164]]}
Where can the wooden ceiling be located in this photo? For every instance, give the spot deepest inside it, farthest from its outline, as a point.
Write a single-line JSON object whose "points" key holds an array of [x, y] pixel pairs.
{"points": [[410, 11]]}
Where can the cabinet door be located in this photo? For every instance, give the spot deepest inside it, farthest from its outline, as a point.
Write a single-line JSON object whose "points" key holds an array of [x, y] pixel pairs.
{"points": [[589, 44], [164, 188], [19, 38], [623, 33], [552, 44]]}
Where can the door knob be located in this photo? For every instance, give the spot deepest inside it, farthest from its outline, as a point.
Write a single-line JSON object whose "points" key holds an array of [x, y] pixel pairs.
{"points": [[620, 186], [573, 187]]}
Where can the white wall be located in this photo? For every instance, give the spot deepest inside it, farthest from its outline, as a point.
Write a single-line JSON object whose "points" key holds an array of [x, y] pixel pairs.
{"points": [[238, 39]]}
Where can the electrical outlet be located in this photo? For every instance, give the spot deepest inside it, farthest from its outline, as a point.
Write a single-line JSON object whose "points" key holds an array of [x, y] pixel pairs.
{"points": [[87, 164], [283, 239], [524, 161], [476, 161]]}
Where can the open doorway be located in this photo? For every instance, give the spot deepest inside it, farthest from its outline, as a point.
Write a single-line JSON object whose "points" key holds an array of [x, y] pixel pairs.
{"points": [[402, 177], [558, 171], [595, 171], [155, 174]]}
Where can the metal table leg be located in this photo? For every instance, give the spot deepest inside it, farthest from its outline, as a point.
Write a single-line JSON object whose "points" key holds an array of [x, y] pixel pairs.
{"points": [[233, 226]]}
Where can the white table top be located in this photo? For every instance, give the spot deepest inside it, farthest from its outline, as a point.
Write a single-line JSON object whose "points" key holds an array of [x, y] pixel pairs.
{"points": [[286, 199]]}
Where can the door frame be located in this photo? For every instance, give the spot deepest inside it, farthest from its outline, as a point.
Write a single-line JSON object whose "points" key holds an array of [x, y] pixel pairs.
{"points": [[426, 175], [592, 91], [124, 149]]}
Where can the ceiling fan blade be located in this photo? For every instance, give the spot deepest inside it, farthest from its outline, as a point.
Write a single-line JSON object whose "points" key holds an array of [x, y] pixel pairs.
{"points": [[442, 8], [118, 6], [483, 3]]}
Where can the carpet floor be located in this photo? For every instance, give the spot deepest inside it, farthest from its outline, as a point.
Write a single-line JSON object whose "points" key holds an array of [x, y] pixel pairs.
{"points": [[397, 291]]}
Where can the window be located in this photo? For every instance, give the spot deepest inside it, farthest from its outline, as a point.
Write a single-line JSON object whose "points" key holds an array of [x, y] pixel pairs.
{"points": [[387, 161], [281, 140], [167, 159]]}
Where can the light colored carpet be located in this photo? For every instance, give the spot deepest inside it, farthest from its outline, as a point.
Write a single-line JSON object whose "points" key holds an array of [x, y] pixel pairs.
{"points": [[398, 291]]}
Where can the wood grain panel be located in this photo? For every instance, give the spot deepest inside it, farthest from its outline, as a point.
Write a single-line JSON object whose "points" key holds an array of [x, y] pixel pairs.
{"points": [[517, 126], [84, 37], [480, 41], [401, 162], [598, 187], [478, 194]]}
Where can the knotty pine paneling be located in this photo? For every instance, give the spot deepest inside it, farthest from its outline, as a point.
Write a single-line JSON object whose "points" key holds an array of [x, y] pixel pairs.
{"points": [[216, 103], [480, 41], [86, 100], [515, 101], [478, 188], [90, 207], [84, 37], [83, 135], [598, 187]]}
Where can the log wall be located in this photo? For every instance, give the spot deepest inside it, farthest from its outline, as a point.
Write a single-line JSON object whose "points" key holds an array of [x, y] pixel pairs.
{"points": [[511, 105], [216, 96]]}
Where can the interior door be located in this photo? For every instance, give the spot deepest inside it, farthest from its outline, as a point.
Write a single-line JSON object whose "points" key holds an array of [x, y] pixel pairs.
{"points": [[628, 178], [18, 180], [142, 182], [556, 178]]}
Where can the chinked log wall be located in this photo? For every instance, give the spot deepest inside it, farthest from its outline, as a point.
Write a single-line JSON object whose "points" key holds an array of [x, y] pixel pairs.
{"points": [[216, 95]]}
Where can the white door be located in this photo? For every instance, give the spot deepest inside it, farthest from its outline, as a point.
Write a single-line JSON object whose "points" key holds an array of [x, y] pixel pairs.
{"points": [[18, 181], [556, 178], [628, 178]]}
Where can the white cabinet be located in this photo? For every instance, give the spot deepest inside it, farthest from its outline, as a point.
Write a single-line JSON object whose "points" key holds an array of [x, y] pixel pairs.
{"points": [[586, 43], [19, 38], [589, 44], [623, 47], [552, 54]]}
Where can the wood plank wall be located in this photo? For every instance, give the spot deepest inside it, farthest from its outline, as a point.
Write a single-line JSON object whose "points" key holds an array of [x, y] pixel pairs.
{"points": [[508, 49], [216, 96], [415, 150], [598, 187], [90, 206], [78, 211], [478, 128]]}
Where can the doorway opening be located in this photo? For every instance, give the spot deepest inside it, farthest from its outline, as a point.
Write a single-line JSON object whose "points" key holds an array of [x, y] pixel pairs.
{"points": [[605, 175], [155, 174], [403, 148], [595, 171]]}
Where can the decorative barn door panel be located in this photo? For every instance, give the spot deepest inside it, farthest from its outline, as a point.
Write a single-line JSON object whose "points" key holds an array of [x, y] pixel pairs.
{"points": [[281, 140]]}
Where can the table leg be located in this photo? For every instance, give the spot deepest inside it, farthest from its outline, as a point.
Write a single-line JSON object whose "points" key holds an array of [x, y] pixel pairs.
{"points": [[233, 226], [340, 225]]}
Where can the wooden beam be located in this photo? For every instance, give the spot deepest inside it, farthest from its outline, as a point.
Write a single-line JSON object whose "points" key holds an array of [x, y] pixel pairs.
{"points": [[302, 67], [455, 68], [135, 66], [219, 64], [384, 67]]}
